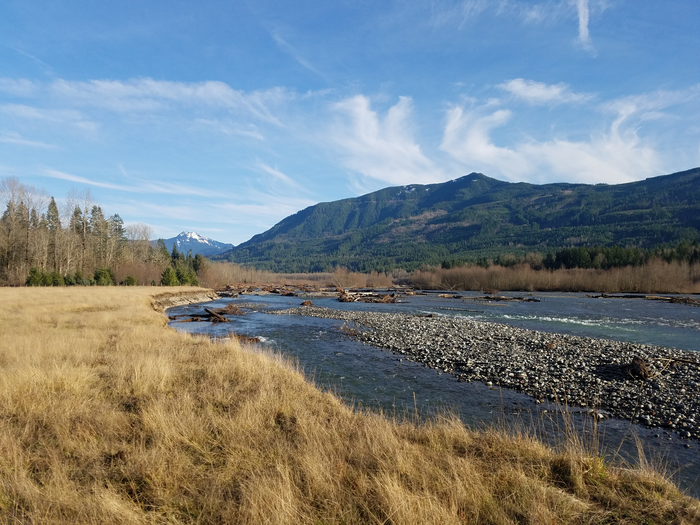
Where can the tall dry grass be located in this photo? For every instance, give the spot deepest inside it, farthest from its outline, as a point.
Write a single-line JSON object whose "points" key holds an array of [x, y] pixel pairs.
{"points": [[219, 274], [108, 416], [348, 279], [655, 277], [216, 274]]}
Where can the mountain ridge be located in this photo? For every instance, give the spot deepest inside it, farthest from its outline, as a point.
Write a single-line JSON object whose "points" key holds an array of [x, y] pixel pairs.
{"points": [[475, 215]]}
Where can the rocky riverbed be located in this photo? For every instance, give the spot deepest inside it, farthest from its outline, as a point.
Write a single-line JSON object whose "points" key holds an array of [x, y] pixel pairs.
{"points": [[577, 371]]}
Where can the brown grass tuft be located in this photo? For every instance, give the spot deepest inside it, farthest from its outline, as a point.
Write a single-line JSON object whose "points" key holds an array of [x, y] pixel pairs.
{"points": [[107, 416]]}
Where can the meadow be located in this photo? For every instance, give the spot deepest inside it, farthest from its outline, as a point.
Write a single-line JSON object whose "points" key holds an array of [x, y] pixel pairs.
{"points": [[109, 416]]}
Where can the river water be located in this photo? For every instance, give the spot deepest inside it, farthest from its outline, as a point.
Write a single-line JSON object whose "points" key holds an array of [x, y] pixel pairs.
{"points": [[369, 377]]}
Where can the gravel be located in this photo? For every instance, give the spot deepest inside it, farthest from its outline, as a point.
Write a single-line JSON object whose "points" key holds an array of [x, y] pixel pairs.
{"points": [[578, 371]]}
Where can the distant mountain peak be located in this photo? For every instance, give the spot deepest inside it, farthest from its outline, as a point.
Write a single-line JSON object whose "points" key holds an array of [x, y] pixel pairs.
{"points": [[192, 237], [199, 244]]}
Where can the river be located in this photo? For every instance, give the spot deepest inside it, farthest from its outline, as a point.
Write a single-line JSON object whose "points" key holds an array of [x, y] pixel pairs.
{"points": [[369, 377]]}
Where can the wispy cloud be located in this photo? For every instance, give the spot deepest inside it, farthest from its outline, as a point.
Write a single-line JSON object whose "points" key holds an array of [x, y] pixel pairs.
{"points": [[583, 16], [647, 106], [447, 12], [152, 95], [382, 149], [166, 188], [450, 12], [17, 140], [293, 52], [540, 93], [546, 12], [277, 175], [62, 116], [18, 87], [171, 188], [618, 155], [611, 158], [467, 139], [228, 128], [182, 213], [259, 213], [245, 216], [55, 174], [48, 70]]}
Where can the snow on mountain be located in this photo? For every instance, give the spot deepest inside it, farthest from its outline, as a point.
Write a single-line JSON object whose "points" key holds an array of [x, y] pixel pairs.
{"points": [[198, 244]]}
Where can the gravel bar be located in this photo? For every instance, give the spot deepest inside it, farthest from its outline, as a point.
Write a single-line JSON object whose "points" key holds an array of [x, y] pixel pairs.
{"points": [[578, 371]]}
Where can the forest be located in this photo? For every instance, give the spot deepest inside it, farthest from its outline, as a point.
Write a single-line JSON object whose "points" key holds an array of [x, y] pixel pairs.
{"points": [[44, 244]]}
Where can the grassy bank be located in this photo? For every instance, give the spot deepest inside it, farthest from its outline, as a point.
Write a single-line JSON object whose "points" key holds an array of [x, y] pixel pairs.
{"points": [[108, 416]]}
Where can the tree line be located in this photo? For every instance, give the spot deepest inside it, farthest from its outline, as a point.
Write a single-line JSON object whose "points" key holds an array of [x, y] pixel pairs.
{"points": [[43, 243], [605, 258], [587, 257]]}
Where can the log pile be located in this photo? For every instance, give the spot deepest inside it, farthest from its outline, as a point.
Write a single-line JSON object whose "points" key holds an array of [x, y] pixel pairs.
{"points": [[366, 297]]}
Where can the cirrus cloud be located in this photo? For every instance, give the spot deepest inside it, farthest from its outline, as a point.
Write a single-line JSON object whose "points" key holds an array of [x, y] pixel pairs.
{"points": [[383, 149], [146, 94], [541, 93], [615, 156]]}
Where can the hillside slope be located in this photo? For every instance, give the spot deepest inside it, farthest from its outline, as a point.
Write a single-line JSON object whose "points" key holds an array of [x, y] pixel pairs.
{"points": [[472, 216]]}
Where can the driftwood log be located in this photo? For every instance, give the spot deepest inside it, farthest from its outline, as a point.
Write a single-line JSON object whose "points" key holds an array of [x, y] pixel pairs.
{"points": [[366, 297], [229, 309], [216, 318], [675, 300], [496, 298]]}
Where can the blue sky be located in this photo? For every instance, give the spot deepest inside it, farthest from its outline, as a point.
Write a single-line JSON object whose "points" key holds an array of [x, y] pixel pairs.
{"points": [[224, 117]]}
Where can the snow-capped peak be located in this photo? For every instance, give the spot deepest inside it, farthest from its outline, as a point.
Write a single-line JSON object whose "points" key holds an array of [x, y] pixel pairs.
{"points": [[193, 235], [197, 243]]}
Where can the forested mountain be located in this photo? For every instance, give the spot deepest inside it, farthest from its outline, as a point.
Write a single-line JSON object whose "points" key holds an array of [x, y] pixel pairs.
{"points": [[476, 216]]}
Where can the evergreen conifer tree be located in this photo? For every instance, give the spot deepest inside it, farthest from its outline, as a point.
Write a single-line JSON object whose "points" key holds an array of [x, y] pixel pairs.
{"points": [[53, 223], [169, 277]]}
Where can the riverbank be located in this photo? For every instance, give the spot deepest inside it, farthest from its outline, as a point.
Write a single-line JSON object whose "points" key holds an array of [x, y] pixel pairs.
{"points": [[107, 416], [577, 371]]}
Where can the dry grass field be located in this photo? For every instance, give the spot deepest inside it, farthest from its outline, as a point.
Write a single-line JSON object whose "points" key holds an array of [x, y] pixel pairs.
{"points": [[108, 416]]}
